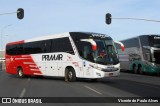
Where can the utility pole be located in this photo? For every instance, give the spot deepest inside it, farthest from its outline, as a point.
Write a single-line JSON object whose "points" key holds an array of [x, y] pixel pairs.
{"points": [[2, 30]]}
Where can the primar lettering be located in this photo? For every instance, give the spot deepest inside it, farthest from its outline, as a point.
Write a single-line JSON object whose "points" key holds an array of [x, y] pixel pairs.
{"points": [[52, 57]]}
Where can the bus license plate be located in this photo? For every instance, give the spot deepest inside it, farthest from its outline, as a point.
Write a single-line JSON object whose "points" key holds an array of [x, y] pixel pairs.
{"points": [[110, 74]]}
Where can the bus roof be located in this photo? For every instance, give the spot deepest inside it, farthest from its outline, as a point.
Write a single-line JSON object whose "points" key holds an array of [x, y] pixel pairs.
{"points": [[67, 34], [140, 36]]}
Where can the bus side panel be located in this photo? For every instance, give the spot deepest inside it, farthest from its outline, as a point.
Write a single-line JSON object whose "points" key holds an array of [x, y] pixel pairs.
{"points": [[24, 61], [29, 65], [10, 65], [74, 65]]}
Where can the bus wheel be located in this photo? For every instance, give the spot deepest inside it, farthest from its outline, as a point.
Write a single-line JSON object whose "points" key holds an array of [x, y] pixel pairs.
{"points": [[135, 69], [71, 75], [140, 70], [20, 72]]}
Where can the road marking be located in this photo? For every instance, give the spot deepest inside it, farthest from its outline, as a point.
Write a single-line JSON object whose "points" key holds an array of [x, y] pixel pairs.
{"points": [[23, 92], [93, 90], [24, 89]]}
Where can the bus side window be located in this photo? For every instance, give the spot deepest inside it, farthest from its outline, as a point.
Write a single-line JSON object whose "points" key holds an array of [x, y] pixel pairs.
{"points": [[19, 49], [87, 53], [61, 45], [47, 46], [11, 49]]}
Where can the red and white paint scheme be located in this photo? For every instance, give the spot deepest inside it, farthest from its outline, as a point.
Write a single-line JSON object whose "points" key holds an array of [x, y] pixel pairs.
{"points": [[26, 62], [93, 43], [122, 45], [53, 55]]}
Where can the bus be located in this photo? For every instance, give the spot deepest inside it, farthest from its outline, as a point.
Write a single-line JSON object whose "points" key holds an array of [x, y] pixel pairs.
{"points": [[141, 55], [80, 54]]}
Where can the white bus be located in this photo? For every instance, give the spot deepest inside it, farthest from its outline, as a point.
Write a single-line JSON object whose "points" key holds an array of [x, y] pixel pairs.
{"points": [[81, 54], [141, 55]]}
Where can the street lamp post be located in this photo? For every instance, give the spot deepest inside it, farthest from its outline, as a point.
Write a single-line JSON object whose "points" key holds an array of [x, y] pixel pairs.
{"points": [[2, 30]]}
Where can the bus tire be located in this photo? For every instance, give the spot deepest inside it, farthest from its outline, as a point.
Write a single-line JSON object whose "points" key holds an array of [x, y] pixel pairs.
{"points": [[20, 72], [71, 75], [135, 69], [140, 70]]}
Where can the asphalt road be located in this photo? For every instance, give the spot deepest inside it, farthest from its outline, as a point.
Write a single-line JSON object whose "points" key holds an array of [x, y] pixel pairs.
{"points": [[126, 85]]}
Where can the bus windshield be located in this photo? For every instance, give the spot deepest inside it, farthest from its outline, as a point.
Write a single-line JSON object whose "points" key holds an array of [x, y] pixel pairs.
{"points": [[105, 54], [154, 41], [156, 56]]}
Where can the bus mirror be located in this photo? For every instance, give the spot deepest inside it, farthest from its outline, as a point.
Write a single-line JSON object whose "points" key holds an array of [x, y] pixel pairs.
{"points": [[93, 43], [122, 45], [94, 47]]}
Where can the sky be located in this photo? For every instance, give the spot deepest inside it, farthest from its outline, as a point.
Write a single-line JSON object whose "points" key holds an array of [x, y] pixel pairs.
{"points": [[46, 17]]}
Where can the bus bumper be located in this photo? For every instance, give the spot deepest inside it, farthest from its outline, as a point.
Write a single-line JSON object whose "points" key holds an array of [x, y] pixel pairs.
{"points": [[102, 74], [112, 74]]}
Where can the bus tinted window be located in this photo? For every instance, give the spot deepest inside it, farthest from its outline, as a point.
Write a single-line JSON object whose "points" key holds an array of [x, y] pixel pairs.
{"points": [[11, 49], [85, 50], [144, 40], [19, 49], [27, 48], [131, 43], [154, 41], [61, 45], [34, 47], [45, 46]]}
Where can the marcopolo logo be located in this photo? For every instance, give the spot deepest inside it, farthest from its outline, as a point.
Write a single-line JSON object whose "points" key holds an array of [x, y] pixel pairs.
{"points": [[100, 35], [157, 37]]}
